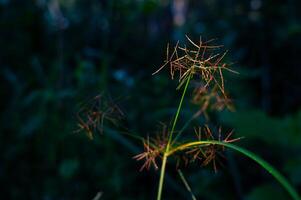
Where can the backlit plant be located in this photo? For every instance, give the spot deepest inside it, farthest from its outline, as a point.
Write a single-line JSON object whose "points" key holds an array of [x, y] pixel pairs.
{"points": [[200, 66]]}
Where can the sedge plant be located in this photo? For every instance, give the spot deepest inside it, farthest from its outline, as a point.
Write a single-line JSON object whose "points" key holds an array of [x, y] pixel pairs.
{"points": [[199, 66]]}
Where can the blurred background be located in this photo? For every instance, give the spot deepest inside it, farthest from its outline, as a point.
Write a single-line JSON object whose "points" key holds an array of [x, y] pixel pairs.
{"points": [[56, 54]]}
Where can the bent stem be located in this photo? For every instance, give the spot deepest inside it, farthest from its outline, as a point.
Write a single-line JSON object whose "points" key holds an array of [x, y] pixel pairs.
{"points": [[165, 155], [275, 173]]}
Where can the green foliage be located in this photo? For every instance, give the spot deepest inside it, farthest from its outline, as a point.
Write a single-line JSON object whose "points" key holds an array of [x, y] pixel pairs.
{"points": [[256, 124], [267, 191]]}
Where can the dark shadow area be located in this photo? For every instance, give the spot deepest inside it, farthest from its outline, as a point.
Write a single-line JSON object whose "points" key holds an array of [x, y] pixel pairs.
{"points": [[56, 55]]}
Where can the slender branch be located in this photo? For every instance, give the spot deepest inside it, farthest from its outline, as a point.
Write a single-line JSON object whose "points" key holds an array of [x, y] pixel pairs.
{"points": [[164, 161], [178, 112], [186, 184]]}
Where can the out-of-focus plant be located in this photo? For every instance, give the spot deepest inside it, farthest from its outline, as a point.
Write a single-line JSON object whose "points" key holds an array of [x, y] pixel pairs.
{"points": [[201, 64]]}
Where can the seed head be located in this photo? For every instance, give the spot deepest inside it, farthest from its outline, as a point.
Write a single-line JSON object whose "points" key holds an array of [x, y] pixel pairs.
{"points": [[208, 153], [202, 60], [153, 149], [92, 115]]}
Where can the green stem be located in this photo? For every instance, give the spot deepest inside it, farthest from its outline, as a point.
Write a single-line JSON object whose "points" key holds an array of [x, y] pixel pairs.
{"points": [[162, 173], [178, 113], [279, 177], [164, 160]]}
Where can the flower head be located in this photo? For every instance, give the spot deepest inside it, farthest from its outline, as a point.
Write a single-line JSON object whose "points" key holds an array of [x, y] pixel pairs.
{"points": [[92, 115], [153, 148], [201, 60]]}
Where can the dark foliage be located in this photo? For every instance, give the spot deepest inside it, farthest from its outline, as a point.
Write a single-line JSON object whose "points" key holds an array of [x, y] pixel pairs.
{"points": [[56, 55]]}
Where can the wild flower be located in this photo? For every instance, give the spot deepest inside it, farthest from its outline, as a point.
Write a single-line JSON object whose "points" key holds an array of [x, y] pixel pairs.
{"points": [[150, 154], [153, 149], [202, 60], [92, 115], [209, 153], [202, 63], [210, 100]]}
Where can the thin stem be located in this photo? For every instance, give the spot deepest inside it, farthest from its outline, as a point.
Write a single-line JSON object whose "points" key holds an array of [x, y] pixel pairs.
{"points": [[178, 112], [186, 184], [165, 155], [162, 173], [279, 177]]}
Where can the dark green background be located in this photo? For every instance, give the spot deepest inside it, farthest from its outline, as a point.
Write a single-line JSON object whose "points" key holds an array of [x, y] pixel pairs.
{"points": [[56, 54]]}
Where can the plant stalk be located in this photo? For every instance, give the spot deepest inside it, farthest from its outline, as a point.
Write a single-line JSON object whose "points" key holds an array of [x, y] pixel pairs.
{"points": [[162, 173], [178, 113], [165, 155]]}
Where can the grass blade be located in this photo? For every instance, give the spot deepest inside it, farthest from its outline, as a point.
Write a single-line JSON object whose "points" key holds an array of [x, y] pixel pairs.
{"points": [[275, 173], [279, 177], [186, 184]]}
